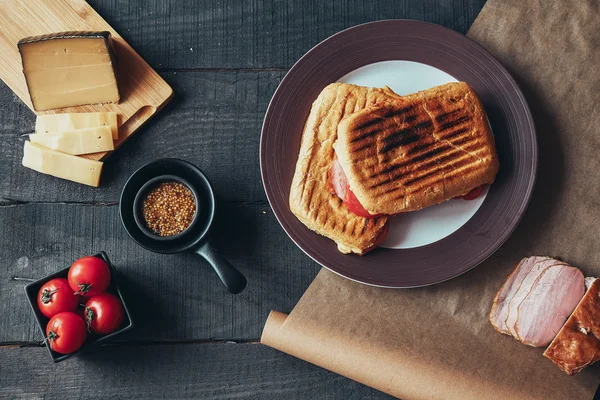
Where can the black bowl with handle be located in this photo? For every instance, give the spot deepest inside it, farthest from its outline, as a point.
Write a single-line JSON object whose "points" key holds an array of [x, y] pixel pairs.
{"points": [[196, 237]]}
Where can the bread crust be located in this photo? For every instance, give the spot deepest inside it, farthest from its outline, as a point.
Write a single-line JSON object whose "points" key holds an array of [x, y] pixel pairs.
{"points": [[310, 198], [414, 151]]}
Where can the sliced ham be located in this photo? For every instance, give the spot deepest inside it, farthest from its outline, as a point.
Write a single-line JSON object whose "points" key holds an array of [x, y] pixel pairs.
{"points": [[337, 179], [552, 299], [577, 345], [526, 286], [536, 300], [499, 310]]}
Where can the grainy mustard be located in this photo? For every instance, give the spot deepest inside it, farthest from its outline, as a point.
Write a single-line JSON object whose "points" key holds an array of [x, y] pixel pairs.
{"points": [[169, 208]]}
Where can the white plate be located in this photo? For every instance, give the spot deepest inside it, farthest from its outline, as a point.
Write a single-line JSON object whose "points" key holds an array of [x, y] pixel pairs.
{"points": [[434, 223]]}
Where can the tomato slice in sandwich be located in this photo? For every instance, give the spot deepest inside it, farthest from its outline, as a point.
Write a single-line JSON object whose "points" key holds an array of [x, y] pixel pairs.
{"points": [[354, 205], [473, 194], [339, 185]]}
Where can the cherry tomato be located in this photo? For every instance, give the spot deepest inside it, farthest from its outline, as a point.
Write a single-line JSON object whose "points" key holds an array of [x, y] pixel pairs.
{"points": [[65, 332], [56, 296], [473, 194], [89, 276], [104, 313]]}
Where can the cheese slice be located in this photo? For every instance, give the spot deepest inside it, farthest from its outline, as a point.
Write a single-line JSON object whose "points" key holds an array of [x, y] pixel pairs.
{"points": [[69, 69], [62, 165], [77, 141], [57, 123]]}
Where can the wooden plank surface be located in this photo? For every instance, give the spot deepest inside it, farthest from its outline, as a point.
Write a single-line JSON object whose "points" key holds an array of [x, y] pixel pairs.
{"points": [[191, 371], [174, 297], [213, 122], [143, 92], [224, 60], [230, 34]]}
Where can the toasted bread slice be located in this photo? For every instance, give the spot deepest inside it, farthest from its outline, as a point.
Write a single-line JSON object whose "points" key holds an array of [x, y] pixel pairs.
{"points": [[414, 151], [310, 197]]}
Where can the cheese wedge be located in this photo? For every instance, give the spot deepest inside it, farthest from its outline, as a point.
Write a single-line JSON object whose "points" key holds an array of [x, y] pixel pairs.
{"points": [[62, 165], [57, 123], [69, 69], [77, 141]]}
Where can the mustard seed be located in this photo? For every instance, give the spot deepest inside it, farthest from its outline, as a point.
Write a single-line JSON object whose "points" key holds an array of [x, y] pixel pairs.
{"points": [[169, 208]]}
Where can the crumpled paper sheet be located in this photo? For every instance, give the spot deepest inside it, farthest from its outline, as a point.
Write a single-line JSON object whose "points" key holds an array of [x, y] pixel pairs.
{"points": [[436, 342]]}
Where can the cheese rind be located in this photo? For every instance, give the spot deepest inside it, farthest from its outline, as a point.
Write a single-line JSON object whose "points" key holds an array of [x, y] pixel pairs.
{"points": [[62, 165], [69, 69], [77, 141], [57, 123]]}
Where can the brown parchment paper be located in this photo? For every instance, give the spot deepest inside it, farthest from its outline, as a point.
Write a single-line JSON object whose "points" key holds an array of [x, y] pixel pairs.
{"points": [[436, 342]]}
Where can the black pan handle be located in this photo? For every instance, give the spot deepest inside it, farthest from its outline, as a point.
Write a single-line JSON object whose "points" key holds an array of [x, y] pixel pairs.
{"points": [[233, 279]]}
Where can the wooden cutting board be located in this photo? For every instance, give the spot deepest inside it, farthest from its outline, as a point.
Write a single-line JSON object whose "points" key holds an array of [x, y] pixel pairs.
{"points": [[143, 91]]}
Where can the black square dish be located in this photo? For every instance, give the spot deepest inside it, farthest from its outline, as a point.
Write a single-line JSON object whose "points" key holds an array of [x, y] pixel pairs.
{"points": [[33, 288]]}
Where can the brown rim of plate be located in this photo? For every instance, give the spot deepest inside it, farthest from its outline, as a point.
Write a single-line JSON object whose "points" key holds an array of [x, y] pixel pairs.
{"points": [[448, 51]]}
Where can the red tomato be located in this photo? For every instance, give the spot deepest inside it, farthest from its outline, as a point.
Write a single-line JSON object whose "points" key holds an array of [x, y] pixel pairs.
{"points": [[89, 276], [56, 296], [104, 313], [65, 332], [473, 194], [338, 184], [354, 205]]}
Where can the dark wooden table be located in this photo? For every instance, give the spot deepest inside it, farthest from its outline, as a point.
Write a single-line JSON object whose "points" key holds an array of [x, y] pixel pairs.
{"points": [[224, 59]]}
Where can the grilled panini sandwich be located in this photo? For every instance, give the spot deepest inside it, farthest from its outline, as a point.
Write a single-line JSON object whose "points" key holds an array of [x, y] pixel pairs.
{"points": [[414, 151], [311, 199]]}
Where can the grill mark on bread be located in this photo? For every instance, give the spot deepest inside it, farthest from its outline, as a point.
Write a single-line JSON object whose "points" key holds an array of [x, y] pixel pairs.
{"points": [[446, 115], [366, 135], [410, 118], [463, 143], [473, 150], [432, 166], [430, 153], [361, 148], [375, 131], [451, 124], [435, 174], [404, 136], [388, 114], [442, 116], [344, 226], [449, 160], [454, 159], [309, 194], [393, 189], [452, 162], [418, 126], [453, 136], [399, 141], [365, 226]]}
